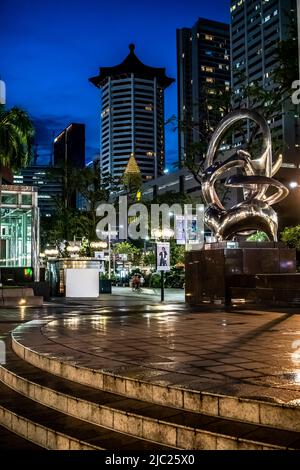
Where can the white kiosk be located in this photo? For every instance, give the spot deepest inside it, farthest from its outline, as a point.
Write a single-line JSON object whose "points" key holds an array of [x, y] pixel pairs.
{"points": [[82, 282], [75, 277]]}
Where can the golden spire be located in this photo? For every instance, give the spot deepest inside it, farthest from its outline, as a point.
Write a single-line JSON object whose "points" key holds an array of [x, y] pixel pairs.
{"points": [[132, 166]]}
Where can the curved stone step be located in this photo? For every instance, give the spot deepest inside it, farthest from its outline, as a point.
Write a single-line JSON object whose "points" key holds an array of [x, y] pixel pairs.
{"points": [[29, 344], [54, 430], [164, 425], [11, 441]]}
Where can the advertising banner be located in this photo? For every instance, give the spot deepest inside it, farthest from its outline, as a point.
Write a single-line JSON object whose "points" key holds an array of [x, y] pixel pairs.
{"points": [[163, 256]]}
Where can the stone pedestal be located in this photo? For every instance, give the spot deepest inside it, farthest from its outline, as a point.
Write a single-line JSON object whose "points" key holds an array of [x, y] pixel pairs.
{"points": [[221, 271]]}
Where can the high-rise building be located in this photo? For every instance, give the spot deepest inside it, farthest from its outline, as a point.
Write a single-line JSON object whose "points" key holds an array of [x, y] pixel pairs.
{"points": [[203, 71], [132, 117], [69, 153], [256, 29], [48, 189], [69, 147]]}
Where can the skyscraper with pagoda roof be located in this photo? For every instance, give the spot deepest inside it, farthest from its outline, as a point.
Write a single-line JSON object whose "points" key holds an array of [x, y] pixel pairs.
{"points": [[132, 117]]}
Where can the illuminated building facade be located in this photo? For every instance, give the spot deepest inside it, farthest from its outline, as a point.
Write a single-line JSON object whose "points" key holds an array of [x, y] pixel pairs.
{"points": [[19, 228], [132, 117], [203, 71]]}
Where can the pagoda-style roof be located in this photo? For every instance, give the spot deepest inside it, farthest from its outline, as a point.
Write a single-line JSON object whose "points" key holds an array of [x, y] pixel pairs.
{"points": [[132, 65]]}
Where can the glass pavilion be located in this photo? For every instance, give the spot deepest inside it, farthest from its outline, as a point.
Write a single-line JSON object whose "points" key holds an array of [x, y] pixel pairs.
{"points": [[19, 228]]}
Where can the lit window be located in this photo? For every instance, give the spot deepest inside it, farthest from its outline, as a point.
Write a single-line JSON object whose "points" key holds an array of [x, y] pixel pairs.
{"points": [[207, 69], [208, 37]]}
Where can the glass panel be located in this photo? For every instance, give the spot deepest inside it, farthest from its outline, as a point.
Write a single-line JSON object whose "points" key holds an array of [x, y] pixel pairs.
{"points": [[15, 237], [9, 199], [26, 199]]}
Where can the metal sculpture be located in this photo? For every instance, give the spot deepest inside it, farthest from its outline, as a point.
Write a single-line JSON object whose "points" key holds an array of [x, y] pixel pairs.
{"points": [[255, 178]]}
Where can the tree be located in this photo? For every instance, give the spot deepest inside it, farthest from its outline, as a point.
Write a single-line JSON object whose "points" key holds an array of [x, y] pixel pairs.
{"points": [[68, 222], [125, 248], [291, 236], [63, 226], [89, 185], [177, 253], [149, 258], [258, 237], [16, 138]]}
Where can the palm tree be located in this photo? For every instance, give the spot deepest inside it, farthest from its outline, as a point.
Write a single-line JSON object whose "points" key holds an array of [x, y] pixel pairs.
{"points": [[16, 138]]}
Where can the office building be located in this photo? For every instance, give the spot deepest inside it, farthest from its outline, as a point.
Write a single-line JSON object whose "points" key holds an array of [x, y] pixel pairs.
{"points": [[132, 117], [257, 27], [69, 147], [69, 154], [49, 189], [256, 30], [203, 71]]}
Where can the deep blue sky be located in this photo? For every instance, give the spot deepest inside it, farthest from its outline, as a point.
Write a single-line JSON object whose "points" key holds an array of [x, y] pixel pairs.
{"points": [[49, 49]]}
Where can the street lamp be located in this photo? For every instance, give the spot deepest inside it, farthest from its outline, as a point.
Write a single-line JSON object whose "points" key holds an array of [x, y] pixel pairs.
{"points": [[73, 249], [293, 185], [51, 252], [165, 233], [145, 242], [109, 233], [100, 244]]}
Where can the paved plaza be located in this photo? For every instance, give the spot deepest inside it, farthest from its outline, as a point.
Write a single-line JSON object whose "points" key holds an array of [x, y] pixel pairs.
{"points": [[252, 354]]}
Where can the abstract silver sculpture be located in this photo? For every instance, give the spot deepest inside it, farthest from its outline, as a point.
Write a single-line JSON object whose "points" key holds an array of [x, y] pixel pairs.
{"points": [[255, 212]]}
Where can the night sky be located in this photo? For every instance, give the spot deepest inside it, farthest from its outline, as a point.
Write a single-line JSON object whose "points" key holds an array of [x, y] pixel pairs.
{"points": [[49, 49]]}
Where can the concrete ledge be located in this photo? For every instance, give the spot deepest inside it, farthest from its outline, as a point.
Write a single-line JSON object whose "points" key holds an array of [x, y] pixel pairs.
{"points": [[21, 302], [16, 292]]}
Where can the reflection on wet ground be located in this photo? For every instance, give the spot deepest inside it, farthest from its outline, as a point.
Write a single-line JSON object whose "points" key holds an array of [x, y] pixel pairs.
{"points": [[248, 354]]}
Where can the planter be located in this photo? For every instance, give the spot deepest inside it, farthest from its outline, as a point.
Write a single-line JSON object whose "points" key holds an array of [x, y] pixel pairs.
{"points": [[104, 286]]}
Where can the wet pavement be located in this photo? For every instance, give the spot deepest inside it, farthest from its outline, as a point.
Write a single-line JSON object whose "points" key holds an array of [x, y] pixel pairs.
{"points": [[171, 295], [253, 354]]}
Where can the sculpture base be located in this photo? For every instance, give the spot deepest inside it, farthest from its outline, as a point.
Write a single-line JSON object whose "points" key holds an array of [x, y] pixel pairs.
{"points": [[227, 272]]}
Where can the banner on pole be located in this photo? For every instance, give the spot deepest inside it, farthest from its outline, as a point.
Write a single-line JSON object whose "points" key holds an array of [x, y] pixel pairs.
{"points": [[163, 256]]}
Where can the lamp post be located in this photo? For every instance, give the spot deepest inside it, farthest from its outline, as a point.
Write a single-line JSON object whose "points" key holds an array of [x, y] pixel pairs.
{"points": [[109, 233], [109, 252]]}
